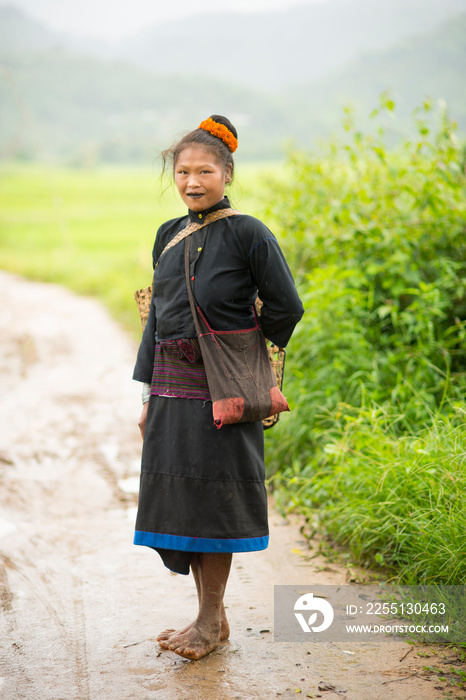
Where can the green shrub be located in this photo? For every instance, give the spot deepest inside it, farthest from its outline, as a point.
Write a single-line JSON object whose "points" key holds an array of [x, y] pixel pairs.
{"points": [[377, 238], [397, 502]]}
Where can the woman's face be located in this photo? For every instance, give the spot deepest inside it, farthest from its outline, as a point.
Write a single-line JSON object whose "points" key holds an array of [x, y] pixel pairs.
{"points": [[200, 177]]}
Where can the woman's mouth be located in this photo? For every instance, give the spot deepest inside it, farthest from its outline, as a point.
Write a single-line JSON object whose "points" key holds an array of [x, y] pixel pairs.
{"points": [[195, 195]]}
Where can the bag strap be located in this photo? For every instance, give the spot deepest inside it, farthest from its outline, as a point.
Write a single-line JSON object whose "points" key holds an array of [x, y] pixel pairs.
{"points": [[194, 226], [192, 301]]}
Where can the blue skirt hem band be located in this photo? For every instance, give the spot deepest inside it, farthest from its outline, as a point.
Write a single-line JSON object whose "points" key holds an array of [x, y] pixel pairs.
{"points": [[200, 544]]}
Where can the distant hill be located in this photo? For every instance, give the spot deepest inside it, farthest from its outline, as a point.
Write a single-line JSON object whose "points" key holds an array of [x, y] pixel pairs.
{"points": [[269, 50], [54, 104], [58, 103], [265, 50], [20, 33], [430, 65]]}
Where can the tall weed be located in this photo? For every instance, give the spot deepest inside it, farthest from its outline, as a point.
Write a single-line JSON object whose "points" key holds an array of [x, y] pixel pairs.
{"points": [[378, 240]]}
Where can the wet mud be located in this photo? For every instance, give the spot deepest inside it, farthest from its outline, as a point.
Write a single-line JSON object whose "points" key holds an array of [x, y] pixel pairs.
{"points": [[80, 605]]}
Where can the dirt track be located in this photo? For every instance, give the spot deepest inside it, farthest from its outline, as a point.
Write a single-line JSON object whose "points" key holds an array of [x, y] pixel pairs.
{"points": [[81, 606]]}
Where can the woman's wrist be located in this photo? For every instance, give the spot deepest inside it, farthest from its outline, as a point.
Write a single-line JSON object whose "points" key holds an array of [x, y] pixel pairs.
{"points": [[145, 393]]}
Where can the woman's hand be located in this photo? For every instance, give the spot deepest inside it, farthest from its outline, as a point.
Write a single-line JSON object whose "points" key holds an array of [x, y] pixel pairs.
{"points": [[142, 420]]}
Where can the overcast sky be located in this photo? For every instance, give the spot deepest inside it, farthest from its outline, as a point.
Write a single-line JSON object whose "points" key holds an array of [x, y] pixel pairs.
{"points": [[111, 19]]}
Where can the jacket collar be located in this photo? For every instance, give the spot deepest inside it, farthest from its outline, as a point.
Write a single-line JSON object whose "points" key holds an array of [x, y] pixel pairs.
{"points": [[199, 216]]}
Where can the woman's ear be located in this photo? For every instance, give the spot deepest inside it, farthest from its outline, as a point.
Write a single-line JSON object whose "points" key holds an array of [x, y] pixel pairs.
{"points": [[228, 173]]}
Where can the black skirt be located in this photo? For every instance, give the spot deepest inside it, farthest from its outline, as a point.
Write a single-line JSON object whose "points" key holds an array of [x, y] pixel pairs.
{"points": [[202, 488]]}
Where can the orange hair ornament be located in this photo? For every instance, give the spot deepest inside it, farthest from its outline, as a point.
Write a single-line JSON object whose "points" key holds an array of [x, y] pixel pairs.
{"points": [[221, 131]]}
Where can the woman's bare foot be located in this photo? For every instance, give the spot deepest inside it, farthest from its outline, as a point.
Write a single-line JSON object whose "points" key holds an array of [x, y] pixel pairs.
{"points": [[164, 637], [210, 570], [167, 633], [171, 636], [197, 641]]}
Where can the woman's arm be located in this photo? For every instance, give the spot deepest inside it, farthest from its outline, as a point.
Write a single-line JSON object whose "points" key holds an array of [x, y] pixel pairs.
{"points": [[282, 308], [143, 418]]}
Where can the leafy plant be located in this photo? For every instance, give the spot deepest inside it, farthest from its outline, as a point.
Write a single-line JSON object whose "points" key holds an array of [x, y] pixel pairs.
{"points": [[377, 367]]}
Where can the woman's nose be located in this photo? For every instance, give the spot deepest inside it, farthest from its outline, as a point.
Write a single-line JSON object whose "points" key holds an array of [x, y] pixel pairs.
{"points": [[193, 180]]}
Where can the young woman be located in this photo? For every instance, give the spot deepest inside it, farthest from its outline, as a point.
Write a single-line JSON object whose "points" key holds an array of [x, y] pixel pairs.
{"points": [[202, 494]]}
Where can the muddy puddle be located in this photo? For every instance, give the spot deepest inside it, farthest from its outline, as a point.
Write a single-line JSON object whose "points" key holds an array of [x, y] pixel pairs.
{"points": [[80, 605]]}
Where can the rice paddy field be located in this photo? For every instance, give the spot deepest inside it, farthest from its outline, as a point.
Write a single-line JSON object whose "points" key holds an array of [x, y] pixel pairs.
{"points": [[93, 231]]}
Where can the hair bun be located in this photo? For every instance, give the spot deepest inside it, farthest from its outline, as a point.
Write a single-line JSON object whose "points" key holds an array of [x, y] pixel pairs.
{"points": [[226, 122], [223, 129]]}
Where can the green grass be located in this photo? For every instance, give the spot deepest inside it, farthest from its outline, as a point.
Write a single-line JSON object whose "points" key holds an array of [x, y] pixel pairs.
{"points": [[397, 502], [93, 231]]}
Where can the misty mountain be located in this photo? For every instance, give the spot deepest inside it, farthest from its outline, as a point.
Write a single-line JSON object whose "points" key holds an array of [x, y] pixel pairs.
{"points": [[299, 44], [431, 65], [265, 50], [57, 103], [21, 34]]}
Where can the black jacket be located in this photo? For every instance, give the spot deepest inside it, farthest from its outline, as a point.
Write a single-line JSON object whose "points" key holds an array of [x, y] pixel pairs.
{"points": [[239, 258]]}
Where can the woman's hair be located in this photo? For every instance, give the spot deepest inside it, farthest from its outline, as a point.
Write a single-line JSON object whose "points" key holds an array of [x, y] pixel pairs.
{"points": [[205, 138]]}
